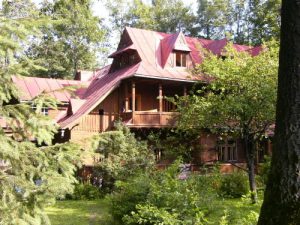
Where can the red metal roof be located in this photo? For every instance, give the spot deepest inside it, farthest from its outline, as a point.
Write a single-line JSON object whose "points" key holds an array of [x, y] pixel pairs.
{"points": [[130, 47], [154, 49], [97, 91], [30, 87]]}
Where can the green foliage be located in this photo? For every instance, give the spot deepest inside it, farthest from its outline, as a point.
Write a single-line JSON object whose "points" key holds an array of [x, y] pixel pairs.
{"points": [[147, 214], [80, 212], [159, 15], [85, 192], [243, 92], [175, 143], [242, 21], [264, 169], [122, 155], [160, 197], [129, 194], [70, 42], [265, 17], [31, 177], [213, 17], [239, 101], [234, 185]]}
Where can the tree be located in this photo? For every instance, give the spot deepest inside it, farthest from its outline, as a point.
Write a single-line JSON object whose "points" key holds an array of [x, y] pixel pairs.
{"points": [[166, 16], [239, 101], [244, 21], [264, 20], [282, 196], [31, 177], [71, 42], [213, 18]]}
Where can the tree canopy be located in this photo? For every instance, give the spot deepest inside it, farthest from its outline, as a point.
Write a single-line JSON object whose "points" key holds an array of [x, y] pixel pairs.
{"points": [[71, 41], [242, 21]]}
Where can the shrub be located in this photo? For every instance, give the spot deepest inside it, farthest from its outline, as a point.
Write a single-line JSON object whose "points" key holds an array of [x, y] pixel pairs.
{"points": [[128, 194], [234, 185], [85, 192], [122, 154], [168, 200]]}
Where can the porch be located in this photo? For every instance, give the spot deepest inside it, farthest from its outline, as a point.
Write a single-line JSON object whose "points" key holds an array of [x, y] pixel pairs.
{"points": [[144, 102]]}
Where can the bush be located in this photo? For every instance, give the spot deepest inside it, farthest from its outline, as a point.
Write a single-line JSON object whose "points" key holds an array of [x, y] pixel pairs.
{"points": [[85, 192], [160, 198], [128, 194], [234, 185]]}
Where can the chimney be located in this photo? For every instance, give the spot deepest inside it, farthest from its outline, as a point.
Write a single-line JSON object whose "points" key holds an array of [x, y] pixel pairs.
{"points": [[84, 75]]}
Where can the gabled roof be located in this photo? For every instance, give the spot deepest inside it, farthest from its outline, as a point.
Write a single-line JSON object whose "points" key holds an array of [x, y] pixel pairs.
{"points": [[170, 43], [153, 48], [98, 90], [130, 47]]}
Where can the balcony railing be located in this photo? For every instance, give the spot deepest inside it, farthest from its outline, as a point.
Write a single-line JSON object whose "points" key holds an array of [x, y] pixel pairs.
{"points": [[149, 119]]}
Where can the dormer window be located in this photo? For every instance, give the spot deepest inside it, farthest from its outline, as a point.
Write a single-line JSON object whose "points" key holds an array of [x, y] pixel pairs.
{"points": [[180, 59], [124, 58]]}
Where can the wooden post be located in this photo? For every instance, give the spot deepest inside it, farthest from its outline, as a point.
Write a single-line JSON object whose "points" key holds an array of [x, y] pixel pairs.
{"points": [[133, 96], [184, 94], [126, 98], [160, 97]]}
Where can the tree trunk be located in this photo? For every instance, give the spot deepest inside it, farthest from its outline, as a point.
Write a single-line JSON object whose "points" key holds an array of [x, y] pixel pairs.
{"points": [[281, 204], [250, 155]]}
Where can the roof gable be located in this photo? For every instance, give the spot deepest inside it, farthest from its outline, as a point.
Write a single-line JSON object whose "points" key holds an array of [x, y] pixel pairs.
{"points": [[172, 42]]}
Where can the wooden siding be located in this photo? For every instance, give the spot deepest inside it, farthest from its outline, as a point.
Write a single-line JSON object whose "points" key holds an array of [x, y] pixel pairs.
{"points": [[96, 123]]}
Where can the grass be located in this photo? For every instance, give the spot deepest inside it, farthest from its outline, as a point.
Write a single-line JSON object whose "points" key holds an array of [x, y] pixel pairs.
{"points": [[81, 212], [236, 211]]}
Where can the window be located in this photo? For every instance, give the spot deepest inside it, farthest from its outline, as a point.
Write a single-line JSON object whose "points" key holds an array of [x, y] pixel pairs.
{"points": [[44, 110], [181, 59], [227, 150]]}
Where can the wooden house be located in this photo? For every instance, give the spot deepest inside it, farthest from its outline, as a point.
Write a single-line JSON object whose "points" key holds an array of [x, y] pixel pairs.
{"points": [[146, 67]]}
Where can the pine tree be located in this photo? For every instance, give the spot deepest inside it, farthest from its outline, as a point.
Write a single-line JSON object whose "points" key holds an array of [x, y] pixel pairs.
{"points": [[31, 177]]}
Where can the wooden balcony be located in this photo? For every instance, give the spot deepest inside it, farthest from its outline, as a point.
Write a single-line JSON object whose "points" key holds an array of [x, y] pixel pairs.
{"points": [[148, 119]]}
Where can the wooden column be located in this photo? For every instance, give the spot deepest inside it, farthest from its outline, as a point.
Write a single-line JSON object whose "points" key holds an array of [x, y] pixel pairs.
{"points": [[133, 95], [184, 91], [160, 97], [126, 98]]}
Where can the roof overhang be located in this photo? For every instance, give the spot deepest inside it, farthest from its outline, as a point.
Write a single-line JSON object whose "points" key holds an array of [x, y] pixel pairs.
{"points": [[164, 78], [126, 49]]}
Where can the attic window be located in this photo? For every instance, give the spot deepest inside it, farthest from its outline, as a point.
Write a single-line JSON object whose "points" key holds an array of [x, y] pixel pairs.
{"points": [[180, 59]]}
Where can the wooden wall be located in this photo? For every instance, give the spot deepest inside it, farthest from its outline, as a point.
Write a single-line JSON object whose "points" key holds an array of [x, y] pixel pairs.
{"points": [[96, 122]]}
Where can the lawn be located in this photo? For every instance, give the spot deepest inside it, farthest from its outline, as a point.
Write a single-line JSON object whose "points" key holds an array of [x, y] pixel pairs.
{"points": [[96, 212], [236, 211], [80, 212]]}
